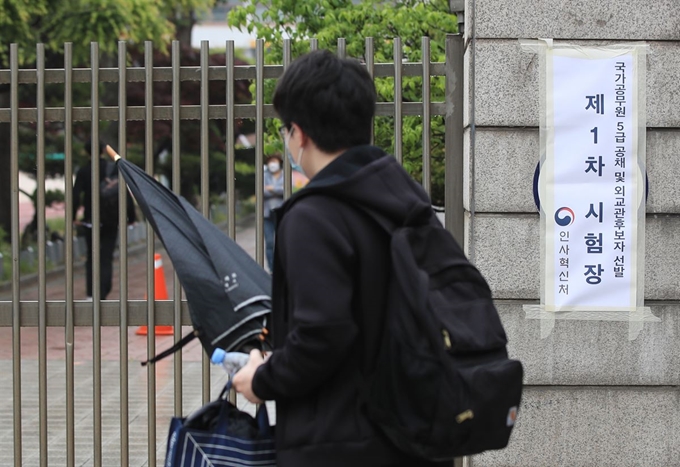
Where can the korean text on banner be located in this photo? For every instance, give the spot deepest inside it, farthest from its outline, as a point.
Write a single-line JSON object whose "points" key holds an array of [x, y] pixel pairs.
{"points": [[592, 181]]}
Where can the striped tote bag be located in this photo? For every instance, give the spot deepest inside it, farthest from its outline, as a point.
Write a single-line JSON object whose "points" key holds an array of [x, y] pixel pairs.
{"points": [[219, 434]]}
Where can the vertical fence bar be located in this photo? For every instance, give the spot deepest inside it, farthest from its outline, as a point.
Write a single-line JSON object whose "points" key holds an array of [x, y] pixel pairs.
{"points": [[398, 52], [287, 53], [205, 188], [453, 139], [16, 239], [96, 266], [425, 59], [176, 184], [342, 47], [205, 125], [259, 151], [231, 157], [287, 171], [370, 66], [231, 138], [68, 255], [150, 267], [95, 228], [40, 207], [313, 43], [123, 258]]}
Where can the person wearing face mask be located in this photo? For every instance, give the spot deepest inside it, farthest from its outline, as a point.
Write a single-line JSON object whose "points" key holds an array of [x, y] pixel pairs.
{"points": [[273, 198], [331, 270]]}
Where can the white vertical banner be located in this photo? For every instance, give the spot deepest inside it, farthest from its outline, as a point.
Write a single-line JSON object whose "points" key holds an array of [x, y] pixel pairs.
{"points": [[593, 181], [592, 184]]}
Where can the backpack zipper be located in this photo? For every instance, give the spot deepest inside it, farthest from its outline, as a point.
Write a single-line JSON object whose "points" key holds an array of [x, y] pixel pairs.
{"points": [[447, 339]]}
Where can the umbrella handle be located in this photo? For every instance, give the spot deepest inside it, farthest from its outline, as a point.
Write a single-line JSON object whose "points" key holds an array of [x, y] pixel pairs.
{"points": [[264, 340]]}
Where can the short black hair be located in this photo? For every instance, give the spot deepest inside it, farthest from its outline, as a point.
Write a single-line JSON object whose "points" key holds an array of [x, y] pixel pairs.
{"points": [[332, 99], [88, 147]]}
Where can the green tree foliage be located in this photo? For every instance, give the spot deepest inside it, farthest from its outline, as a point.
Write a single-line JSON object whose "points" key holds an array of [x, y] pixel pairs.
{"points": [[328, 20], [54, 22], [16, 22]]}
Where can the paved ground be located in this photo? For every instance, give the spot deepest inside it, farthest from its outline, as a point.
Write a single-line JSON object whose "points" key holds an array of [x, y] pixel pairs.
{"points": [[137, 381]]}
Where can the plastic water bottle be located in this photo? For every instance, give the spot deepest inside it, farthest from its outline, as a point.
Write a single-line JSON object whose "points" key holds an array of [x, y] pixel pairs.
{"points": [[230, 361]]}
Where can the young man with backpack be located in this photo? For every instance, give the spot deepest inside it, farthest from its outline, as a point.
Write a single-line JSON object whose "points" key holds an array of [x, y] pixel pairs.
{"points": [[330, 270], [108, 216], [335, 291]]}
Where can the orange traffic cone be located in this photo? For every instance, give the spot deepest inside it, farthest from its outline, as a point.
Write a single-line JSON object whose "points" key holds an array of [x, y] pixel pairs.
{"points": [[160, 293]]}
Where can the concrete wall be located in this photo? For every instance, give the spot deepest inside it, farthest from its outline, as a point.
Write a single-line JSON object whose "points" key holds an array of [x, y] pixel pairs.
{"points": [[592, 397]]}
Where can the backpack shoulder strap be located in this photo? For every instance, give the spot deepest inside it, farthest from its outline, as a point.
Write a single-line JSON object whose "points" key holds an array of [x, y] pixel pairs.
{"points": [[416, 216]]}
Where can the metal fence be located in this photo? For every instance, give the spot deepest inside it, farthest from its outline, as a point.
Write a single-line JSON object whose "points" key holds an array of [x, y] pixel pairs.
{"points": [[91, 411]]}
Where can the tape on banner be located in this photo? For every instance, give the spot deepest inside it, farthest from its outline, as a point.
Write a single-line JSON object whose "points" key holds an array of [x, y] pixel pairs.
{"points": [[635, 317], [538, 45]]}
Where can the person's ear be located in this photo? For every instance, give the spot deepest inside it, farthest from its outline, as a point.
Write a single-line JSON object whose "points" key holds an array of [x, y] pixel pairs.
{"points": [[300, 135]]}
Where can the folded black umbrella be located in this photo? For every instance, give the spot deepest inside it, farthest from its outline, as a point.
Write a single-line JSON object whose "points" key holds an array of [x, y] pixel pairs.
{"points": [[228, 293]]}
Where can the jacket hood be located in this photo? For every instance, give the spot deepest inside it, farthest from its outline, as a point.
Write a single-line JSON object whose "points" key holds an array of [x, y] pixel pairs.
{"points": [[368, 176]]}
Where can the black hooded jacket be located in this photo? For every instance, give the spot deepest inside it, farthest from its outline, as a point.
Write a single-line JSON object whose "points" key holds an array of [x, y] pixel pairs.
{"points": [[329, 288]]}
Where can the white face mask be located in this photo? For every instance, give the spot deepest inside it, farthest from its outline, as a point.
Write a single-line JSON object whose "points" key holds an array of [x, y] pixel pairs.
{"points": [[274, 167]]}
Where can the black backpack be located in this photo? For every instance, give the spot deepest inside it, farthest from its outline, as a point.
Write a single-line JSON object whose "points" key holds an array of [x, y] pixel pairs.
{"points": [[108, 194], [443, 385]]}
